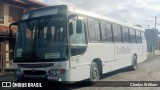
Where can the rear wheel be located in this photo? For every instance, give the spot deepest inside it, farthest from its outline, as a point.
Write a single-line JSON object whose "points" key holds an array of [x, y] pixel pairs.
{"points": [[94, 73], [134, 63]]}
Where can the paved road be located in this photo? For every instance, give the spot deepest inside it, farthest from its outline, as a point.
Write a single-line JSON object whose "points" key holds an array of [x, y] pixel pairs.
{"points": [[149, 70]]}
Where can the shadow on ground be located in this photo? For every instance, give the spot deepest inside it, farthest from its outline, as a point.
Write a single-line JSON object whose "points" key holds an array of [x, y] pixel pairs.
{"points": [[126, 69]]}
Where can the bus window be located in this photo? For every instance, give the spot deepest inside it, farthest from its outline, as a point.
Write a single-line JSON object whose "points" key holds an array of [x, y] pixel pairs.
{"points": [[78, 42], [97, 30], [132, 36], [117, 33], [94, 31], [125, 34], [138, 37], [81, 36], [92, 35], [106, 30], [143, 37]]}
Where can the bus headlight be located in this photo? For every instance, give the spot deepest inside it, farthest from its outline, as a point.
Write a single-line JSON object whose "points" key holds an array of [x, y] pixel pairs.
{"points": [[17, 72], [54, 71]]}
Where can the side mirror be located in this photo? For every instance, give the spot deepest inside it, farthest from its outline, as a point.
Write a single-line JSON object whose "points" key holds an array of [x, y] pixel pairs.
{"points": [[71, 28], [79, 26], [13, 24], [10, 28]]}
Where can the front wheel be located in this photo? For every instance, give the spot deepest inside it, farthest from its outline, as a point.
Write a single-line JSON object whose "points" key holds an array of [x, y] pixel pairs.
{"points": [[94, 73]]}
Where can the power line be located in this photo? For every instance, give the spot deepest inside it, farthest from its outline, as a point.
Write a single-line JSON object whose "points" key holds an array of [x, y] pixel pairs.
{"points": [[79, 5], [74, 2]]}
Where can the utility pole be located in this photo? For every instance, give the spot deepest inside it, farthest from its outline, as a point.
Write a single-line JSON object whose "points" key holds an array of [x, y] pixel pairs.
{"points": [[155, 21], [148, 26], [157, 29]]}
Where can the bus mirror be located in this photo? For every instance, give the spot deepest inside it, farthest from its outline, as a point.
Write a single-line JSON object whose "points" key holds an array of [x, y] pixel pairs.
{"points": [[79, 26], [70, 28], [10, 28], [13, 24]]}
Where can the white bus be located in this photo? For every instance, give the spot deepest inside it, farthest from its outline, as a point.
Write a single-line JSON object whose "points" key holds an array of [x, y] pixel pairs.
{"points": [[62, 43]]}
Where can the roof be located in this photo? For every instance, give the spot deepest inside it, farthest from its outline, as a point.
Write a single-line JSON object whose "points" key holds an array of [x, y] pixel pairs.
{"points": [[26, 3], [4, 31]]}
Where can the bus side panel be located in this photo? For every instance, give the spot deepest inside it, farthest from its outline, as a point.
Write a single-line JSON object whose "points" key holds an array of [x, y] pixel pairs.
{"points": [[122, 55], [81, 63], [79, 73], [140, 53], [107, 56], [144, 46], [137, 49]]}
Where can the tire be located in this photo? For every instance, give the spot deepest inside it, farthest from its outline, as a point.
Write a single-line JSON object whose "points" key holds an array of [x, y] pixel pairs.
{"points": [[134, 63], [94, 73]]}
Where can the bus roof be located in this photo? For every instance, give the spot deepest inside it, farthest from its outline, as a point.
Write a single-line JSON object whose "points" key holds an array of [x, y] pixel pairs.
{"points": [[91, 14], [94, 15]]}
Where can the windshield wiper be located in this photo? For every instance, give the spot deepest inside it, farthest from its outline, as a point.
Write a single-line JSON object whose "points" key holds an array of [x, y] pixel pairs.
{"points": [[43, 24], [38, 28]]}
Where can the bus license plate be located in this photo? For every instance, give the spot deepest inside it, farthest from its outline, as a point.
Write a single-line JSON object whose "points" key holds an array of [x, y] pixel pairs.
{"points": [[52, 77]]}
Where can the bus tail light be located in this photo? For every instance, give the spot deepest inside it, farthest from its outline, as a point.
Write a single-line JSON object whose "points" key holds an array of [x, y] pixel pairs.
{"points": [[62, 71]]}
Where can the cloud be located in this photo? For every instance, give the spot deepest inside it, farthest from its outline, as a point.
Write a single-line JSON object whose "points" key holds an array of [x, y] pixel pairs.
{"points": [[132, 11]]}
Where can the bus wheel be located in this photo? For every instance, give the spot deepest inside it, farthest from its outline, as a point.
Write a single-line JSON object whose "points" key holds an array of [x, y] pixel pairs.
{"points": [[134, 63], [94, 73]]}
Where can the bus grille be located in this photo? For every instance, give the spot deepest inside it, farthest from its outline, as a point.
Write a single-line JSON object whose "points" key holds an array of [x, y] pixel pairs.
{"points": [[36, 65], [36, 72]]}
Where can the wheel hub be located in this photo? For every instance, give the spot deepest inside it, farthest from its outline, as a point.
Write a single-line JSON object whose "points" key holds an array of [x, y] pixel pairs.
{"points": [[95, 74]]}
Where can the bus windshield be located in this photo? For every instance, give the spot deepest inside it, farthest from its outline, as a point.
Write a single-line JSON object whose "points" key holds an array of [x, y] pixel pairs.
{"points": [[42, 39]]}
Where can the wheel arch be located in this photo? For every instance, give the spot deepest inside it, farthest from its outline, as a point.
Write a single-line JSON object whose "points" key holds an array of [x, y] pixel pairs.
{"points": [[99, 63], [135, 54]]}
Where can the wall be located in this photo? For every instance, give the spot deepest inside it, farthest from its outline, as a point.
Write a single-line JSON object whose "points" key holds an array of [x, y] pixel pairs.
{"points": [[6, 13], [152, 40], [1, 10]]}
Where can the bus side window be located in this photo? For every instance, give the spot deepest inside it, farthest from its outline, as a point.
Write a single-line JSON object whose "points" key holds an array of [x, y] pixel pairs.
{"points": [[125, 34], [92, 36], [94, 31], [132, 35], [76, 37], [106, 30], [97, 30], [138, 37], [117, 33], [81, 36], [109, 32], [143, 38]]}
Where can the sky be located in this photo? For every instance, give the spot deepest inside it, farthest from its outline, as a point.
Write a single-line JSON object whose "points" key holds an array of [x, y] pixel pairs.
{"points": [[134, 12]]}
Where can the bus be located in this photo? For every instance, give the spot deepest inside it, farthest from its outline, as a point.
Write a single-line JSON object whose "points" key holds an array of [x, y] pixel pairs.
{"points": [[63, 43]]}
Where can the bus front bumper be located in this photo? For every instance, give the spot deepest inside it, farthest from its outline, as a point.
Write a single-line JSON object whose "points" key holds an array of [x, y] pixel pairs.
{"points": [[20, 75]]}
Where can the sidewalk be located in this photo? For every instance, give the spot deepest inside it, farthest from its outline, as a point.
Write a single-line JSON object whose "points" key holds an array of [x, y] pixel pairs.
{"points": [[8, 72], [5, 74]]}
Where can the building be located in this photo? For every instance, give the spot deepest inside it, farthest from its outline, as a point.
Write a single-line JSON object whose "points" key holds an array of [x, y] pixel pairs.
{"points": [[159, 40], [152, 40], [11, 11]]}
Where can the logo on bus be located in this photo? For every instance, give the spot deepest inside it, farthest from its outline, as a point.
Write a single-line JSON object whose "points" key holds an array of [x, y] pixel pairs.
{"points": [[122, 50]]}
